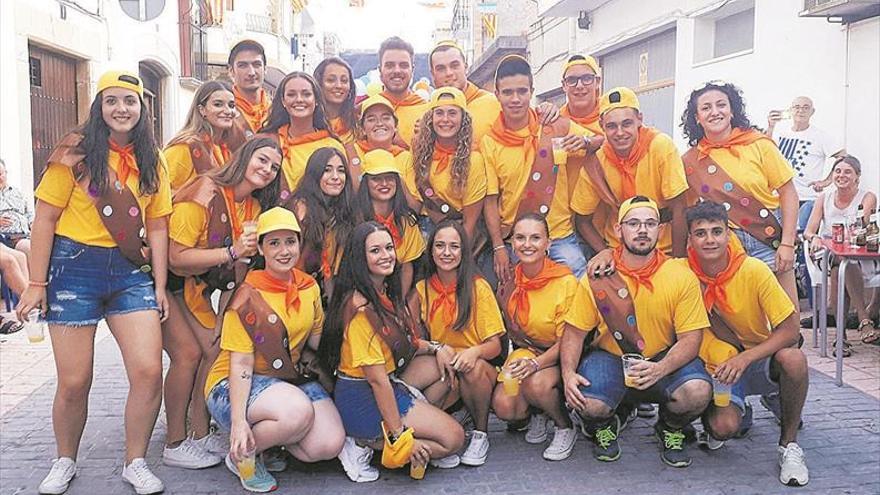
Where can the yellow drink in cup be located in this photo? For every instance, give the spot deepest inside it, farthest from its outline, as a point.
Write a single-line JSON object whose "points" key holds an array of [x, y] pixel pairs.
{"points": [[629, 381], [720, 393], [511, 384], [35, 326], [417, 471], [628, 360], [560, 156], [247, 467]]}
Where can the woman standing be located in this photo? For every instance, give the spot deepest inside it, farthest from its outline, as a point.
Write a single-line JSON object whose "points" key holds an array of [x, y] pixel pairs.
{"points": [[201, 145], [337, 85], [450, 177], [369, 336], [211, 237], [534, 310], [262, 388], [459, 310], [100, 230], [297, 117], [741, 168], [382, 198]]}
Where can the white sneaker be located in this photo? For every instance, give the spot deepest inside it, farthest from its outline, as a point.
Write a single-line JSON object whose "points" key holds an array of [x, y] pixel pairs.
{"points": [[448, 462], [56, 482], [215, 442], [793, 465], [562, 445], [189, 455], [537, 429], [477, 450], [464, 418], [708, 441], [138, 474], [356, 462]]}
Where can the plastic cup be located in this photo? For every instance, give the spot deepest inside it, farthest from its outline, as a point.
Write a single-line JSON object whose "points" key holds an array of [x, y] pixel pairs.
{"points": [[511, 384], [560, 156], [249, 227], [629, 360], [417, 471], [720, 393], [35, 327], [247, 467]]}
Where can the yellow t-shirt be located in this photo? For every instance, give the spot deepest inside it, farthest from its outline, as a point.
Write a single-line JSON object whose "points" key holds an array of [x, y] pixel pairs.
{"points": [[550, 307], [294, 167], [760, 169], [484, 111], [407, 116], [507, 174], [412, 244], [674, 307], [79, 218], [404, 163], [485, 321], [301, 325], [180, 166], [474, 190], [659, 176], [189, 222], [362, 346]]}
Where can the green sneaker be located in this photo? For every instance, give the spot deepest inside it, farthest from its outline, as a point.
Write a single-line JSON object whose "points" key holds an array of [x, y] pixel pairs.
{"points": [[606, 448], [674, 449]]}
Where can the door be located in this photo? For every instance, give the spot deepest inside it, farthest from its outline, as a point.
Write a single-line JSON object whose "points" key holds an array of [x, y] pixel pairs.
{"points": [[53, 102]]}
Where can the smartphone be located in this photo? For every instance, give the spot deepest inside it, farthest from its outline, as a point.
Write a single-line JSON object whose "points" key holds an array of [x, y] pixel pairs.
{"points": [[785, 114]]}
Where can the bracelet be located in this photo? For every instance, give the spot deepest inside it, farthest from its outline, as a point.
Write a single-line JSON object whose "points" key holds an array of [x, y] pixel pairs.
{"points": [[786, 245], [535, 364], [34, 283], [500, 246], [231, 251], [434, 347]]}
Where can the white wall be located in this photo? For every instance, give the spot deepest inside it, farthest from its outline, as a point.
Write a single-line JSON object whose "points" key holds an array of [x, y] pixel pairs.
{"points": [[863, 99]]}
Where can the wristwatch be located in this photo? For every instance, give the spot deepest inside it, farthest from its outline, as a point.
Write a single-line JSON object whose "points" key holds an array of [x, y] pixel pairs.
{"points": [[434, 346]]}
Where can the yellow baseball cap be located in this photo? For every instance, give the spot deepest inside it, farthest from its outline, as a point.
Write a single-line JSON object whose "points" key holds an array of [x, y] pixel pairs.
{"points": [[586, 61], [619, 97], [440, 97], [446, 44], [121, 79], [378, 162], [374, 100], [276, 218], [636, 202]]}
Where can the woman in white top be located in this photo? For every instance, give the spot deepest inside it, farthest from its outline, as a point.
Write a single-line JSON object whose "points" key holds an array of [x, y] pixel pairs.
{"points": [[834, 206]]}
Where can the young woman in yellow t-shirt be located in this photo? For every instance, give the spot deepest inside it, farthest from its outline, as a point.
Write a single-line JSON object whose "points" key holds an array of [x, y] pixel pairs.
{"points": [[297, 117], [337, 85], [323, 203], [459, 310], [535, 313], [261, 388], [102, 202], [209, 247], [370, 339], [201, 145], [382, 198]]}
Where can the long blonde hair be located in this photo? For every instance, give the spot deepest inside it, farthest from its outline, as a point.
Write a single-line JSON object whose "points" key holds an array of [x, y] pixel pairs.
{"points": [[423, 152], [196, 125]]}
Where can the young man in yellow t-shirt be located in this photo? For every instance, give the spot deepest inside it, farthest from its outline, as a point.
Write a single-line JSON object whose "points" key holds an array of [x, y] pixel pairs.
{"points": [[670, 320], [396, 73], [582, 85], [760, 357], [246, 67]]}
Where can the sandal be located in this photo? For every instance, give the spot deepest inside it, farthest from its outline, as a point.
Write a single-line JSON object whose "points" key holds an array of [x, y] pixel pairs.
{"points": [[9, 326], [867, 333], [847, 349]]}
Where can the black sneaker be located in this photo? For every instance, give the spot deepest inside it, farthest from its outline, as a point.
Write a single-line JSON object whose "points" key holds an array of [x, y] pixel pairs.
{"points": [[517, 426], [690, 433], [771, 403], [605, 445], [625, 413], [646, 410], [746, 424], [674, 451]]}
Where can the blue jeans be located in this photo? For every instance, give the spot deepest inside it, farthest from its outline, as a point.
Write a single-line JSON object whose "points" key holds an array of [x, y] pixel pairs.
{"points": [[804, 214], [758, 249], [221, 409], [755, 380], [87, 283]]}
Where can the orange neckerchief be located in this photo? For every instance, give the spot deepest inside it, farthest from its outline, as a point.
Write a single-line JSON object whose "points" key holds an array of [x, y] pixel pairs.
{"points": [[221, 153], [641, 276], [443, 156], [127, 163], [445, 300], [234, 220], [738, 137], [627, 166], [409, 100], [365, 146], [507, 137], [261, 280], [472, 92], [714, 292], [254, 114], [391, 226], [518, 305], [337, 125], [591, 120], [326, 271]]}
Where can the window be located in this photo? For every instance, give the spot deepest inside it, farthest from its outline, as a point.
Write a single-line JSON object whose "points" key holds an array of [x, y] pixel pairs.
{"points": [[142, 10], [726, 31], [35, 69]]}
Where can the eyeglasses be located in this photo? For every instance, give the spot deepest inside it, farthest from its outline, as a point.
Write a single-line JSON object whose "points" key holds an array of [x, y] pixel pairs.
{"points": [[586, 80], [636, 224]]}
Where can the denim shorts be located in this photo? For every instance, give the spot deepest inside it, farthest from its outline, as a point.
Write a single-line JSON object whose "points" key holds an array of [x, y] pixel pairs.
{"points": [[758, 249], [605, 373], [87, 283], [755, 380], [358, 409], [221, 410]]}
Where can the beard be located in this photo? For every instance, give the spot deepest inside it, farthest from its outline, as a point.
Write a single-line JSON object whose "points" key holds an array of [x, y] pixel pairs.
{"points": [[640, 251]]}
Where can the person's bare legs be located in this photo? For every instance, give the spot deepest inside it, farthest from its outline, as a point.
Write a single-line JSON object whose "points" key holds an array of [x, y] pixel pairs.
{"points": [[199, 418], [281, 415], [541, 390], [185, 354], [476, 392], [789, 368], [15, 273], [324, 439], [509, 408], [73, 349], [440, 431], [424, 374], [140, 339], [787, 281], [24, 246], [855, 289], [687, 402]]}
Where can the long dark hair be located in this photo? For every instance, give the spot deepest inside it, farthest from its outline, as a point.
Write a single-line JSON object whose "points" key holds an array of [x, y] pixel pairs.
{"points": [[324, 213], [278, 116], [464, 277], [95, 145], [347, 110], [233, 172], [693, 131], [355, 276], [403, 214]]}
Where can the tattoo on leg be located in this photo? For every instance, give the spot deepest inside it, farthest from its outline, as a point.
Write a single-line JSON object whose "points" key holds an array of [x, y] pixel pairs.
{"points": [[245, 375]]}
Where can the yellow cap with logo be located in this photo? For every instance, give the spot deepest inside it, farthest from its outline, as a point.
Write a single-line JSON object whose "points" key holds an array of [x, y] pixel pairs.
{"points": [[121, 79], [636, 202], [276, 218], [619, 97], [378, 162], [447, 95]]}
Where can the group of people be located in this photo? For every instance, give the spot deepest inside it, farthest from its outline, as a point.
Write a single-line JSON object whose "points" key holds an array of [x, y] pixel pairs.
{"points": [[391, 269]]}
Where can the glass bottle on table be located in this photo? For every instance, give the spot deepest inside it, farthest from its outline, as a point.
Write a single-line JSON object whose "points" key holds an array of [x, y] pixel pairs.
{"points": [[872, 234]]}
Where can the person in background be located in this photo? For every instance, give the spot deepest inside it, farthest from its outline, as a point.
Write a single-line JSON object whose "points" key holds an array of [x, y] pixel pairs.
{"points": [[246, 67], [11, 264], [16, 215], [396, 73], [337, 85]]}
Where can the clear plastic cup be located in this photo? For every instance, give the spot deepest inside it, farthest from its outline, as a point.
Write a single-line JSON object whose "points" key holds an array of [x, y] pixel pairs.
{"points": [[249, 227], [629, 360], [35, 326], [560, 156], [417, 471], [247, 467], [511, 384], [720, 393]]}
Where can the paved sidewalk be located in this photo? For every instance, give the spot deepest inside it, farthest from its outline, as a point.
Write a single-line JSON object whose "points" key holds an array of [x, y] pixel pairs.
{"points": [[841, 439]]}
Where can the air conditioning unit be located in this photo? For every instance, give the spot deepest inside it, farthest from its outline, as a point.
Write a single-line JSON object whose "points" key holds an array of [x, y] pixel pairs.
{"points": [[847, 10], [584, 20]]}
